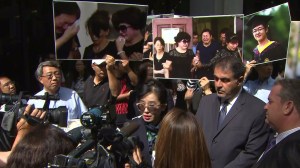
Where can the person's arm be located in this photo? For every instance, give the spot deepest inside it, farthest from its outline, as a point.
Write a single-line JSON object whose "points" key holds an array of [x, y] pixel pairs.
{"points": [[249, 66], [205, 85], [67, 35], [23, 128], [114, 83], [120, 42], [131, 75], [124, 96], [3, 158]]}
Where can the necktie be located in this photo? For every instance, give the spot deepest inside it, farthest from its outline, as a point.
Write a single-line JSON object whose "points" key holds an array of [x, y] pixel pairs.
{"points": [[222, 114], [271, 144]]}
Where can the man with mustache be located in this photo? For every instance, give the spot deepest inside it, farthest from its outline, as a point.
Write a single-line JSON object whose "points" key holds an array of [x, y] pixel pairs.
{"points": [[232, 119], [49, 75]]}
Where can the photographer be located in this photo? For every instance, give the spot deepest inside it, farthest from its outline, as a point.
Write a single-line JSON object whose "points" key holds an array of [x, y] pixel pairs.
{"points": [[23, 128]]}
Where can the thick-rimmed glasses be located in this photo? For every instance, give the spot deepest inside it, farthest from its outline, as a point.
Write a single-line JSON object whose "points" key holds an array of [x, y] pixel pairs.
{"points": [[50, 75], [151, 106], [257, 30]]}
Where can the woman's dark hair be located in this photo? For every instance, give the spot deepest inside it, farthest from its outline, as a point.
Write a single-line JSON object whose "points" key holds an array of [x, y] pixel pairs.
{"points": [[39, 147], [161, 40], [142, 71], [182, 35], [132, 16], [70, 8], [98, 21]]}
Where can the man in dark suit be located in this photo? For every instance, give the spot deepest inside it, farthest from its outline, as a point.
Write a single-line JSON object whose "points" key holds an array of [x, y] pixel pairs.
{"points": [[283, 115], [233, 121]]}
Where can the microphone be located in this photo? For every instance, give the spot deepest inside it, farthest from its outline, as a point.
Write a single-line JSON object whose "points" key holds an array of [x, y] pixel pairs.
{"points": [[75, 134], [126, 131], [81, 149]]}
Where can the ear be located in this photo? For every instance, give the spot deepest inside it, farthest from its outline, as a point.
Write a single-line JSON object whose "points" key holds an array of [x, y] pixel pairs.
{"points": [[40, 80], [288, 107]]}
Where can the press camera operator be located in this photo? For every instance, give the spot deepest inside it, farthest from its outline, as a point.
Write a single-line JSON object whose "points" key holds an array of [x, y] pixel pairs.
{"points": [[7, 86], [23, 128], [49, 74]]}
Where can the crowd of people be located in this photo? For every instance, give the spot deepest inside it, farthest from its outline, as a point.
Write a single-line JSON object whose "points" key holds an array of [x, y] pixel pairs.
{"points": [[235, 121]]}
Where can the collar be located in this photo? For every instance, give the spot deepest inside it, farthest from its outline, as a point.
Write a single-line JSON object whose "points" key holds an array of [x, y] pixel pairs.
{"points": [[56, 94], [284, 134], [232, 100]]}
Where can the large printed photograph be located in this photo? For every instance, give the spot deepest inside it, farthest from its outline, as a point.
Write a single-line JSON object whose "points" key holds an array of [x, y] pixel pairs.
{"points": [[267, 34], [185, 47], [91, 30], [292, 69]]}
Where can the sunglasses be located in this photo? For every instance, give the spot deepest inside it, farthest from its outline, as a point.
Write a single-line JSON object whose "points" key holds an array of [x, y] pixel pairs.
{"points": [[151, 106], [185, 41], [123, 28]]}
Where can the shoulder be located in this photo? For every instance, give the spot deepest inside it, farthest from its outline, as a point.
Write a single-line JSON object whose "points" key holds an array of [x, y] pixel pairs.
{"points": [[215, 44], [251, 101], [172, 52], [208, 99], [190, 52], [42, 92], [66, 92]]}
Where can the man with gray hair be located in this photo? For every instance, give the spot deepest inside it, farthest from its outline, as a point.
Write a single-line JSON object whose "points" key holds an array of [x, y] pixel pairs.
{"points": [[49, 75]]}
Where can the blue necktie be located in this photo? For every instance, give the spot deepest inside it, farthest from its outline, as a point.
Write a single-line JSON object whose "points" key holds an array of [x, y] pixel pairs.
{"points": [[271, 144], [222, 114]]}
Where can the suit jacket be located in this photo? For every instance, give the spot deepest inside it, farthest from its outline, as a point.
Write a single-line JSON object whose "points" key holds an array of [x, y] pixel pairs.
{"points": [[284, 154], [242, 136]]}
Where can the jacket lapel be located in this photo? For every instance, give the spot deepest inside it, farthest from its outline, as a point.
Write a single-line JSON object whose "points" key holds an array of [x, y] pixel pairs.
{"points": [[235, 109]]}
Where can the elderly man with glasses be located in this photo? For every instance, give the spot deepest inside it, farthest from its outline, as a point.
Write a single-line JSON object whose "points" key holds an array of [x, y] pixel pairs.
{"points": [[49, 75]]}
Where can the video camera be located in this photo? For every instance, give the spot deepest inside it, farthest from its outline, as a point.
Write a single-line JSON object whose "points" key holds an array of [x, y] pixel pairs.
{"points": [[57, 116], [105, 147]]}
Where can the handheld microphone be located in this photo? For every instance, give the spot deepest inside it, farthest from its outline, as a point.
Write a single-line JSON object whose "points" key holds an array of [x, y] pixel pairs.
{"points": [[75, 134], [81, 149], [126, 131]]}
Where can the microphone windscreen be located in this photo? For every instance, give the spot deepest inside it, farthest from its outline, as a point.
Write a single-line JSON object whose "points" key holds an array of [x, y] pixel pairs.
{"points": [[127, 130]]}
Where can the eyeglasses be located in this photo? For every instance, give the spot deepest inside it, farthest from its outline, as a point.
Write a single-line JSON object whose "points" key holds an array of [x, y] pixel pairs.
{"points": [[7, 84], [185, 41], [257, 30], [50, 75], [123, 28], [151, 106]]}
